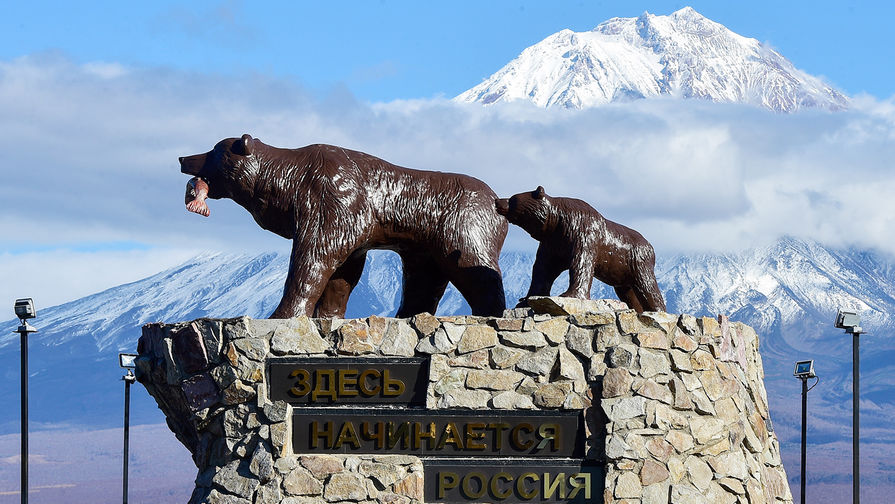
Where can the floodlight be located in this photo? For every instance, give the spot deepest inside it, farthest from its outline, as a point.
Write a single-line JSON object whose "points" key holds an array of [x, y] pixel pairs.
{"points": [[25, 308], [804, 369], [851, 322], [847, 319], [126, 360]]}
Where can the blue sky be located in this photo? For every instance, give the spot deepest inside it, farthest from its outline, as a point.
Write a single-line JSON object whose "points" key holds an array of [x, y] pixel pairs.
{"points": [[99, 99], [386, 50]]}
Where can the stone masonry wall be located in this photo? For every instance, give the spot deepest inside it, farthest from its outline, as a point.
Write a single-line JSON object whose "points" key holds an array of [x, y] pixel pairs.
{"points": [[674, 406]]}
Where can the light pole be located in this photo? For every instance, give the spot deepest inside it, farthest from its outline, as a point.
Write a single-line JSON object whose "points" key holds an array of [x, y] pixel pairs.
{"points": [[851, 322], [126, 361], [804, 370], [24, 309]]}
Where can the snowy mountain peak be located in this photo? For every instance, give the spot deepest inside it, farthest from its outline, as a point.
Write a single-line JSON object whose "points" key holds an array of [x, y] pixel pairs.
{"points": [[682, 55]]}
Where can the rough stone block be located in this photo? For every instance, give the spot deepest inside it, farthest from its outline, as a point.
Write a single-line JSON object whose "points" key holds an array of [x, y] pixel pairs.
{"points": [[301, 482], [425, 324], [554, 329], [652, 472], [507, 324], [345, 486], [652, 339], [560, 306], [297, 337], [493, 380], [525, 339], [512, 400], [356, 338], [505, 357], [477, 337], [439, 342], [472, 399], [552, 395], [255, 349], [478, 359], [200, 391], [628, 485], [570, 368], [540, 362], [616, 382], [400, 339]]}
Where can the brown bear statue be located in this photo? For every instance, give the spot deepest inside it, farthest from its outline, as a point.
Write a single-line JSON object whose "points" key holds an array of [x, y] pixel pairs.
{"points": [[574, 236], [335, 204]]}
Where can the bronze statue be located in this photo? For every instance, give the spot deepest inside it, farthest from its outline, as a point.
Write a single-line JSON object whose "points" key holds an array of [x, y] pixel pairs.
{"points": [[575, 237], [335, 204]]}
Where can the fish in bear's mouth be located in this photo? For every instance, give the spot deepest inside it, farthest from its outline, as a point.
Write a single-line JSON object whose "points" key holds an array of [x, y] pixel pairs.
{"points": [[196, 194]]}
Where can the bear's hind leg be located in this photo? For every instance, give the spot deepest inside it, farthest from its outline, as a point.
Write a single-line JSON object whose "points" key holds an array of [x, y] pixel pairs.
{"points": [[334, 300], [482, 287], [645, 286], [424, 285], [626, 293], [648, 294]]}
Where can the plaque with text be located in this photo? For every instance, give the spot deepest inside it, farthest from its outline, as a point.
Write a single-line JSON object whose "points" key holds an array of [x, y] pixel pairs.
{"points": [[329, 381], [512, 481], [455, 433]]}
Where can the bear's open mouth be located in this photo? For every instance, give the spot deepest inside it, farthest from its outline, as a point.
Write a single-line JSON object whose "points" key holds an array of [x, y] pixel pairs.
{"points": [[196, 194]]}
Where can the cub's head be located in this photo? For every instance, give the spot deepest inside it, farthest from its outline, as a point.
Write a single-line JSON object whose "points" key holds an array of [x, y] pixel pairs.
{"points": [[228, 169], [528, 210]]}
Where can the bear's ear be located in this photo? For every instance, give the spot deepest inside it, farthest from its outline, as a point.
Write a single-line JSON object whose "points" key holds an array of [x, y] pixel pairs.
{"points": [[244, 145], [538, 193]]}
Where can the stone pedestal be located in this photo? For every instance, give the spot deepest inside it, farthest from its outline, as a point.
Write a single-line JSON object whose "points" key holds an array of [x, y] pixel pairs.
{"points": [[674, 406]]}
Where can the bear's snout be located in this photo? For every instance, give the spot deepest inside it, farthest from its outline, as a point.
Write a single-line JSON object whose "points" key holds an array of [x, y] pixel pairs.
{"points": [[502, 205], [192, 165]]}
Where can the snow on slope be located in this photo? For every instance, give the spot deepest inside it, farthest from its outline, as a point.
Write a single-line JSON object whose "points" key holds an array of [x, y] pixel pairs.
{"points": [[682, 55], [782, 284]]}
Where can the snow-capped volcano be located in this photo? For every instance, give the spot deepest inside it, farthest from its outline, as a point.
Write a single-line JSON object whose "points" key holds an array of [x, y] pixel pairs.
{"points": [[682, 55]]}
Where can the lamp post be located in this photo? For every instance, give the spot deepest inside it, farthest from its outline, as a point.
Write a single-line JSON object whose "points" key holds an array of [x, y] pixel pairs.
{"points": [[126, 361], [804, 370], [24, 309], [851, 322]]}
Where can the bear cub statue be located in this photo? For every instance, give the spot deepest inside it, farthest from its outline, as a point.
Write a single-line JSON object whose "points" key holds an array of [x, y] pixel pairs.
{"points": [[574, 236], [336, 204]]}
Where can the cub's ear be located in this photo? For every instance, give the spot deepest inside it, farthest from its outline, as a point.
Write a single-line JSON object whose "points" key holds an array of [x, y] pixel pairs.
{"points": [[244, 145], [538, 193]]}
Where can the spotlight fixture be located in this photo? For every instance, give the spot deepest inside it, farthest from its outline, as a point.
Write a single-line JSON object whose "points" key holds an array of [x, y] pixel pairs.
{"points": [[804, 369], [848, 320], [25, 309], [126, 360]]}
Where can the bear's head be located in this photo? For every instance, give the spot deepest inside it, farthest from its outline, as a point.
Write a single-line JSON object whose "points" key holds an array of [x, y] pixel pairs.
{"points": [[528, 210], [228, 170]]}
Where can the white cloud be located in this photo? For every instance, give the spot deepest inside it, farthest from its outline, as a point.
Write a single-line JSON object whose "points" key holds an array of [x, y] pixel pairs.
{"points": [[55, 276], [91, 157]]}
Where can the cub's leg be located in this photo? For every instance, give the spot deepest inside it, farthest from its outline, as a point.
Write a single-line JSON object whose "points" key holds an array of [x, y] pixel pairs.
{"points": [[581, 274], [544, 272]]}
